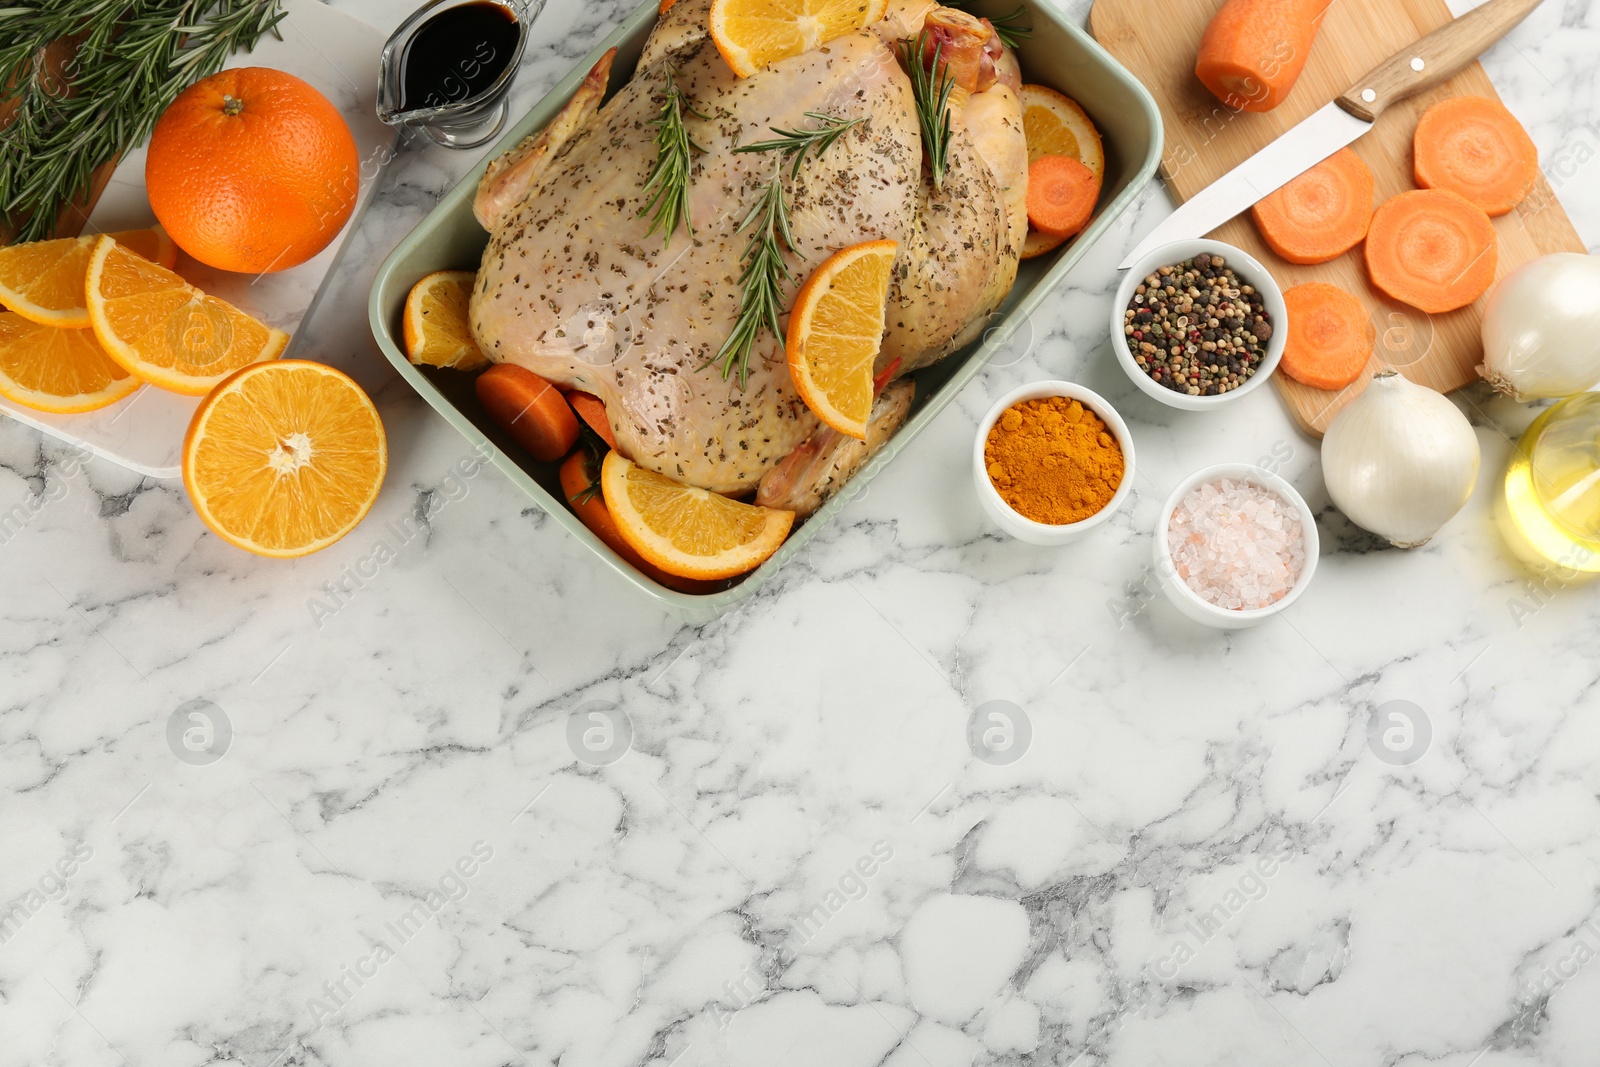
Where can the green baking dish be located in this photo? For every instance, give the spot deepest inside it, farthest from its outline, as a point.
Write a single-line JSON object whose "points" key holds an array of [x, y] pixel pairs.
{"points": [[1057, 54]]}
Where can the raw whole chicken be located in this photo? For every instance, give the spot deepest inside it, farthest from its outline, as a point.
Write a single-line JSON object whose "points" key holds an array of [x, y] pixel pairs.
{"points": [[572, 287]]}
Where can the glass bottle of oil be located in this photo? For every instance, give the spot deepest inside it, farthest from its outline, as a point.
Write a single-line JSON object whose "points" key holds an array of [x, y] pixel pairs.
{"points": [[1552, 489]]}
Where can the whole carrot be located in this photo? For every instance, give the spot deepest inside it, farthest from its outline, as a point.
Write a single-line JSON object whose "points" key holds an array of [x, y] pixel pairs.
{"points": [[1253, 50]]}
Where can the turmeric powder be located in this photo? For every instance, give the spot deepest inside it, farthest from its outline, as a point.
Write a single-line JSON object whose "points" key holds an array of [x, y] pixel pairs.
{"points": [[1052, 460]]}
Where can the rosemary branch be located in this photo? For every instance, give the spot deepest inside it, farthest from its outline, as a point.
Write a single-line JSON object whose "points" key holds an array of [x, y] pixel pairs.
{"points": [[761, 281], [1012, 27], [669, 177], [931, 83], [132, 59], [796, 143]]}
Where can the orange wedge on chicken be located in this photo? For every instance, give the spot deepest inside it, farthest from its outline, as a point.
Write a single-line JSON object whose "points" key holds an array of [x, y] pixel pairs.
{"points": [[58, 370], [1054, 125], [435, 327], [688, 532], [752, 34], [284, 458], [43, 280], [164, 330], [835, 329]]}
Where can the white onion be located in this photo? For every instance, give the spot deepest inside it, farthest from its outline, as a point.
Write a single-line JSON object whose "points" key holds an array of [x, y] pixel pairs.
{"points": [[1541, 330], [1400, 460]]}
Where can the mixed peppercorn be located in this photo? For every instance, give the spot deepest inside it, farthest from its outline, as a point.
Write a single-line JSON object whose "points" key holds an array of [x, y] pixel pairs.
{"points": [[1197, 327]]}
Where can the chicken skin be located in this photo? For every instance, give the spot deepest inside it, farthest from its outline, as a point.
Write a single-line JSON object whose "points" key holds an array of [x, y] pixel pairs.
{"points": [[574, 287]]}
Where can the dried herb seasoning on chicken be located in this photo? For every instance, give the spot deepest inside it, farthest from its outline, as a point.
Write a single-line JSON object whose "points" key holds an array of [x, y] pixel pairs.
{"points": [[574, 285]]}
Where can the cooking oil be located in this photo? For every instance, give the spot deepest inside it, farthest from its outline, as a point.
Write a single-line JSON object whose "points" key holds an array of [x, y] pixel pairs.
{"points": [[1552, 491]]}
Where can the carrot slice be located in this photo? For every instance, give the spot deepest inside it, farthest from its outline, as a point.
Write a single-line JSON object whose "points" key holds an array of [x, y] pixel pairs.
{"points": [[1330, 336], [592, 411], [579, 473], [1473, 146], [1061, 195], [1253, 50], [530, 409], [1432, 249], [1320, 215]]}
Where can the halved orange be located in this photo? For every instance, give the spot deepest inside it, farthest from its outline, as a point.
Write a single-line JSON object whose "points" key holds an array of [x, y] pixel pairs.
{"points": [[284, 458], [835, 329], [43, 280], [1054, 125], [164, 330], [57, 370], [689, 532], [752, 34], [435, 326]]}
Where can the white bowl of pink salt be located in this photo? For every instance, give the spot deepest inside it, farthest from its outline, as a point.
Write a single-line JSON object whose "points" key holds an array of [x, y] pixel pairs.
{"points": [[1235, 546]]}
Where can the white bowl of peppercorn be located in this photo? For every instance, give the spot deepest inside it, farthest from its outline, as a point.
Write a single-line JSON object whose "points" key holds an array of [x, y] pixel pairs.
{"points": [[1197, 324]]}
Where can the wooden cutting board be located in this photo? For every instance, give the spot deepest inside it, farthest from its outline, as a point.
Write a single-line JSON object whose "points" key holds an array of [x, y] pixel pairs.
{"points": [[1157, 41]]}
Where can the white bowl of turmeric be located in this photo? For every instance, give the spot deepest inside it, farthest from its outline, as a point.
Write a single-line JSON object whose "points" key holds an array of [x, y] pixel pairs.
{"points": [[1051, 461]]}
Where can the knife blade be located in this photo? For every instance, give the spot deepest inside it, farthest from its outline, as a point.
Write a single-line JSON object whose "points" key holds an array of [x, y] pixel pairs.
{"points": [[1428, 62]]}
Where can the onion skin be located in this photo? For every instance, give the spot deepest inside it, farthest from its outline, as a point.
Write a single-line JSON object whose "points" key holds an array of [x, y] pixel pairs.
{"points": [[1400, 460], [1541, 328]]}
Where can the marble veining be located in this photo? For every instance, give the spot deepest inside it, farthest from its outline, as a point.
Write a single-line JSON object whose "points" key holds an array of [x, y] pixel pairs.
{"points": [[448, 792]]}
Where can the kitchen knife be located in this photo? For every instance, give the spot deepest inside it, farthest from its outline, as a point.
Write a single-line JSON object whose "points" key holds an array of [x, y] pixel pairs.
{"points": [[1435, 58]]}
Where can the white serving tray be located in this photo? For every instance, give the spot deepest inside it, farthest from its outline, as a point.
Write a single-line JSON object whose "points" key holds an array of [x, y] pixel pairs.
{"points": [[336, 53]]}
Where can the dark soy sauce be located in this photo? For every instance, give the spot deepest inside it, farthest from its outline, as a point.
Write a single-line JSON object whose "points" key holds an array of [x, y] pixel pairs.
{"points": [[457, 54]]}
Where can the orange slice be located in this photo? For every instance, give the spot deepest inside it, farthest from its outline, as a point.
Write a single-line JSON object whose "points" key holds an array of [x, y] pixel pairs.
{"points": [[164, 330], [835, 329], [43, 280], [57, 370], [435, 326], [284, 458], [752, 34], [689, 532], [1054, 125]]}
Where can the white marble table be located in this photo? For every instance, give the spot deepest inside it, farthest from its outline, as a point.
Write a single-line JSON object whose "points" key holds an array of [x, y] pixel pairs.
{"points": [[1199, 857]]}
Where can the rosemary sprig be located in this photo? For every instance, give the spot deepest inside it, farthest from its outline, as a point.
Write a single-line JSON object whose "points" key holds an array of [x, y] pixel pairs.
{"points": [[796, 143], [595, 450], [1011, 27], [931, 83], [131, 60], [761, 281], [669, 178]]}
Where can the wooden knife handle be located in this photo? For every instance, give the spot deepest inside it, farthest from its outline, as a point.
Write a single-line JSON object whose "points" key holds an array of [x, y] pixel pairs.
{"points": [[1436, 58]]}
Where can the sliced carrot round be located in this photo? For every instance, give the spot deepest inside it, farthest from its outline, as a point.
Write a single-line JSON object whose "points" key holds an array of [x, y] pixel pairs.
{"points": [[1061, 195], [1432, 249], [1473, 146], [1320, 215], [1330, 336], [530, 409]]}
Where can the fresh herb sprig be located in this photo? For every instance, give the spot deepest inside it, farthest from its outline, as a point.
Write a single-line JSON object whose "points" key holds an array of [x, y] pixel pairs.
{"points": [[931, 83], [761, 281], [594, 455], [668, 184], [131, 61], [1012, 28], [796, 143]]}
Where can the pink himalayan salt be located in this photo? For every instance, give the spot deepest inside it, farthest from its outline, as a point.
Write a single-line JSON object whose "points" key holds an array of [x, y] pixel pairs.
{"points": [[1237, 544]]}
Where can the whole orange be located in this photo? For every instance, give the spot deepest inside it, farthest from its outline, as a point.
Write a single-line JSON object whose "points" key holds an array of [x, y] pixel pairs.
{"points": [[252, 170]]}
